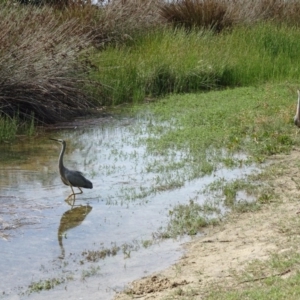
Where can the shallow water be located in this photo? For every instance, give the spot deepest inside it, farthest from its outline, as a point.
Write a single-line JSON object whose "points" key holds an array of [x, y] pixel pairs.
{"points": [[96, 247]]}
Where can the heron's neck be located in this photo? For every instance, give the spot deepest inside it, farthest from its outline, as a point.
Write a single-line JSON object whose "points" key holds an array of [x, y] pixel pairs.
{"points": [[60, 160]]}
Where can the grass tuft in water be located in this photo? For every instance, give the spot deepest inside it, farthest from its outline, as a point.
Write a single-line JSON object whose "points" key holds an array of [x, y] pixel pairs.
{"points": [[95, 255], [8, 128], [47, 284], [11, 126], [187, 219], [92, 271]]}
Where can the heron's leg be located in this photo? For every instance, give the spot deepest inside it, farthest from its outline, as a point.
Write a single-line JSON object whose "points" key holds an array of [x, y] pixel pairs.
{"points": [[73, 194], [80, 191]]}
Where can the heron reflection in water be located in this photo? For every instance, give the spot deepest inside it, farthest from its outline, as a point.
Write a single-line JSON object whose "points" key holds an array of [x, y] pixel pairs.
{"points": [[71, 219], [70, 177]]}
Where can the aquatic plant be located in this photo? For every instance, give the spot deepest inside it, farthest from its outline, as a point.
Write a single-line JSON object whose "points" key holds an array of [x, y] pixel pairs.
{"points": [[8, 128]]}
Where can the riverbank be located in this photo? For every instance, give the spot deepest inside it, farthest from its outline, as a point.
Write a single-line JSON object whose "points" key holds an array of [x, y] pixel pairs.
{"points": [[71, 60], [253, 254]]}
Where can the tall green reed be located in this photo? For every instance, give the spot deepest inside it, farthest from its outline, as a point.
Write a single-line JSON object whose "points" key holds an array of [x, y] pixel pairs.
{"points": [[176, 61], [8, 128]]}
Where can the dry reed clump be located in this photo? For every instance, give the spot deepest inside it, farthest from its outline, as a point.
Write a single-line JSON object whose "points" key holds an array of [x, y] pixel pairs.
{"points": [[281, 11], [43, 71], [40, 73], [221, 14], [115, 22], [209, 14], [122, 19]]}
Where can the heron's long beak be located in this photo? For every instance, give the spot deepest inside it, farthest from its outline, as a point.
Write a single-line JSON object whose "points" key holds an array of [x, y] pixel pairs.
{"points": [[297, 116], [54, 140]]}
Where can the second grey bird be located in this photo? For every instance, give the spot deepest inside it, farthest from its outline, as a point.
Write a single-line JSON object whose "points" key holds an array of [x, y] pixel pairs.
{"points": [[297, 116], [70, 177]]}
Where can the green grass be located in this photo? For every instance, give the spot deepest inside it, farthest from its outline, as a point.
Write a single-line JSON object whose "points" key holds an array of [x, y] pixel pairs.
{"points": [[157, 63], [263, 280], [260, 53], [275, 288], [175, 61], [221, 196], [188, 219], [10, 127], [209, 128], [197, 134]]}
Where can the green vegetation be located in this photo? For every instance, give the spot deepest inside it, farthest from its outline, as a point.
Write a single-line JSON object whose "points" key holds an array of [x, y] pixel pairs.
{"points": [[188, 219], [236, 61], [193, 135], [126, 248], [196, 134], [263, 280], [273, 288], [160, 62], [92, 271], [174, 61], [272, 55], [8, 127], [211, 128], [70, 57], [47, 284]]}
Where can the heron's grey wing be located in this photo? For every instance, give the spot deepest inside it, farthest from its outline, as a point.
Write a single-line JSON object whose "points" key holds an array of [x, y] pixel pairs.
{"points": [[77, 179]]}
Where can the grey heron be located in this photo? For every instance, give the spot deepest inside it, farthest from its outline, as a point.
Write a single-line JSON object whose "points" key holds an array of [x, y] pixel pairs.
{"points": [[297, 116], [70, 177]]}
